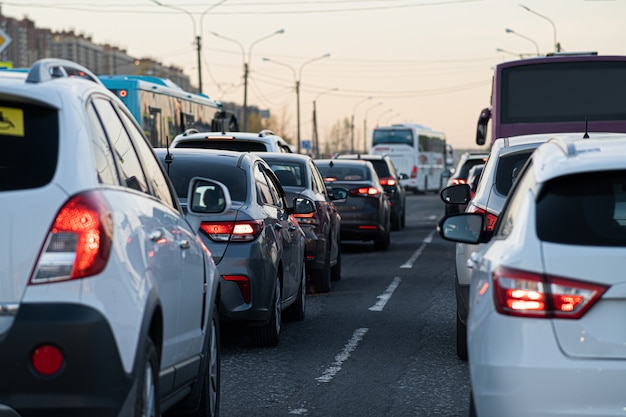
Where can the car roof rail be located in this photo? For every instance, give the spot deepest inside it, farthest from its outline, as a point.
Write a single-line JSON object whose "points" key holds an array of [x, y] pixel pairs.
{"points": [[266, 132], [47, 69]]}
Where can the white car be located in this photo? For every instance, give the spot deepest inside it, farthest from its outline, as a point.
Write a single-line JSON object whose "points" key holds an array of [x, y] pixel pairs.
{"points": [[263, 141], [107, 294], [546, 335]]}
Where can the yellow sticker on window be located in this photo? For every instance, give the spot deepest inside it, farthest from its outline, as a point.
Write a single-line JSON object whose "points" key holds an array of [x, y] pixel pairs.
{"points": [[11, 121]]}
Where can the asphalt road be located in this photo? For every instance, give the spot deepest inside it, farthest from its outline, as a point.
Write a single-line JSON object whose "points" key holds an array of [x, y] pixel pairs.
{"points": [[380, 343]]}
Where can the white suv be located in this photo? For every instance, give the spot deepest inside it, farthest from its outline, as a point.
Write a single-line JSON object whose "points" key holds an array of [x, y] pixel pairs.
{"points": [[547, 294], [264, 141], [108, 296]]}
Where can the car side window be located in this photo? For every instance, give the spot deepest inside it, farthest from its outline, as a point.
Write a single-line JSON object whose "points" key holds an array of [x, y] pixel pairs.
{"points": [[273, 185], [103, 156], [316, 179], [124, 152], [515, 207], [263, 189], [155, 175]]}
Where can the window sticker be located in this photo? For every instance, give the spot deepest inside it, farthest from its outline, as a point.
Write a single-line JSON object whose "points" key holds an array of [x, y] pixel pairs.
{"points": [[11, 121]]}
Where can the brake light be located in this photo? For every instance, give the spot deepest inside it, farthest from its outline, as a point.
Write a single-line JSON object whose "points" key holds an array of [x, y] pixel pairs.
{"points": [[490, 218], [244, 231], [79, 242], [522, 293], [330, 179], [388, 181], [414, 172], [456, 181], [365, 192]]}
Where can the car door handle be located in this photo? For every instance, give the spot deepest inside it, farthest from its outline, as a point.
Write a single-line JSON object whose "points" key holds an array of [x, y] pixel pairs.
{"points": [[185, 244], [155, 235]]}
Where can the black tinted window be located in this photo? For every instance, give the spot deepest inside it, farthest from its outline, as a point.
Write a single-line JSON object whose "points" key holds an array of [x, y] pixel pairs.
{"points": [[345, 173], [30, 145], [584, 209], [230, 145], [181, 172], [508, 168]]}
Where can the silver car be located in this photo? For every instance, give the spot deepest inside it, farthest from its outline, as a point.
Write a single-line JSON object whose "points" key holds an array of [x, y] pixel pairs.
{"points": [[256, 242]]}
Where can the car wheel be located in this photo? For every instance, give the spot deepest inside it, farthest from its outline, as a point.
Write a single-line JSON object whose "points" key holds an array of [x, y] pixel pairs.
{"points": [[269, 334], [335, 271], [472, 406], [204, 400], [147, 403], [461, 338], [296, 311], [320, 278]]}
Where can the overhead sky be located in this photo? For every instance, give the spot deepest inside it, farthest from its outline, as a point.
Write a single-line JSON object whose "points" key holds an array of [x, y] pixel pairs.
{"points": [[391, 61]]}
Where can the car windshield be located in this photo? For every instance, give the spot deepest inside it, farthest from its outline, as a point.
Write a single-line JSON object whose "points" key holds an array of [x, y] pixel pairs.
{"points": [[584, 209]]}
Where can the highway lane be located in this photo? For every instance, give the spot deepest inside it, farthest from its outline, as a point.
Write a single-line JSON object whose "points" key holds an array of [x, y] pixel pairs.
{"points": [[380, 343]]}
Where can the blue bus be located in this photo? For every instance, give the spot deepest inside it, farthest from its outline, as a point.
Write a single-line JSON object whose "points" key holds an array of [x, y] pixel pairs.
{"points": [[164, 110]]}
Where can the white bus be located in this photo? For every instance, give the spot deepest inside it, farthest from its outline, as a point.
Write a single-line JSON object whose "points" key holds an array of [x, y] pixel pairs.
{"points": [[417, 151]]}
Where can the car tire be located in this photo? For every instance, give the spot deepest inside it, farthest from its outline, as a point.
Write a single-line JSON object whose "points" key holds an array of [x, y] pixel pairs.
{"points": [[147, 402], [269, 334], [297, 310], [335, 271], [320, 278], [461, 338], [396, 223], [204, 399]]}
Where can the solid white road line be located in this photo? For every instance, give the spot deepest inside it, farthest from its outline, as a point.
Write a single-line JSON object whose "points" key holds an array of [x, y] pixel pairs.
{"points": [[343, 356], [384, 297], [409, 264]]}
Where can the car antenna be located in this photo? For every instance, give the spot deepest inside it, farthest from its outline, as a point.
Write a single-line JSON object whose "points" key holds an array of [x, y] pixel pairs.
{"points": [[168, 156], [586, 135]]}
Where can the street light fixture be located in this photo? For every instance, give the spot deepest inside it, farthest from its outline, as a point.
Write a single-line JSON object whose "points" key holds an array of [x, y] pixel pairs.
{"points": [[380, 103], [298, 76], [507, 30], [504, 51], [246, 69], [315, 144], [557, 45], [196, 34], [352, 122]]}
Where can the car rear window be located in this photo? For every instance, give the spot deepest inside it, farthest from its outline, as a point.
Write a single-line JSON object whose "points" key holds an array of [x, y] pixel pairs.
{"points": [[229, 145], [509, 167], [29, 145], [465, 169], [344, 173], [587, 209], [289, 174], [181, 172], [381, 168]]}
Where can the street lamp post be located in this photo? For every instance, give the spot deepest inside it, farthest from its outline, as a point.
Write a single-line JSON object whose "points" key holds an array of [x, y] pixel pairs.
{"points": [[246, 69], [298, 76], [352, 122], [557, 45], [381, 115], [380, 103], [315, 144], [196, 34], [507, 30]]}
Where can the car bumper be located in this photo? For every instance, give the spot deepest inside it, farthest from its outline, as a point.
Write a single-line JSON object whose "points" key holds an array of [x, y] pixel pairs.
{"points": [[91, 381], [517, 369]]}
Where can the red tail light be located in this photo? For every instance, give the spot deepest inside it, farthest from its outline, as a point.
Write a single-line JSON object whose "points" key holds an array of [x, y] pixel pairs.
{"points": [[388, 181], [365, 192], [521, 293], [490, 218], [79, 242], [330, 179], [458, 181], [414, 172], [233, 231]]}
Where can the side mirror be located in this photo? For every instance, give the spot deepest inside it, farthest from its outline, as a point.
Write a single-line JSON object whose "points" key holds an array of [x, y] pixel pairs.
{"points": [[303, 206], [481, 128], [456, 194], [462, 228]]}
